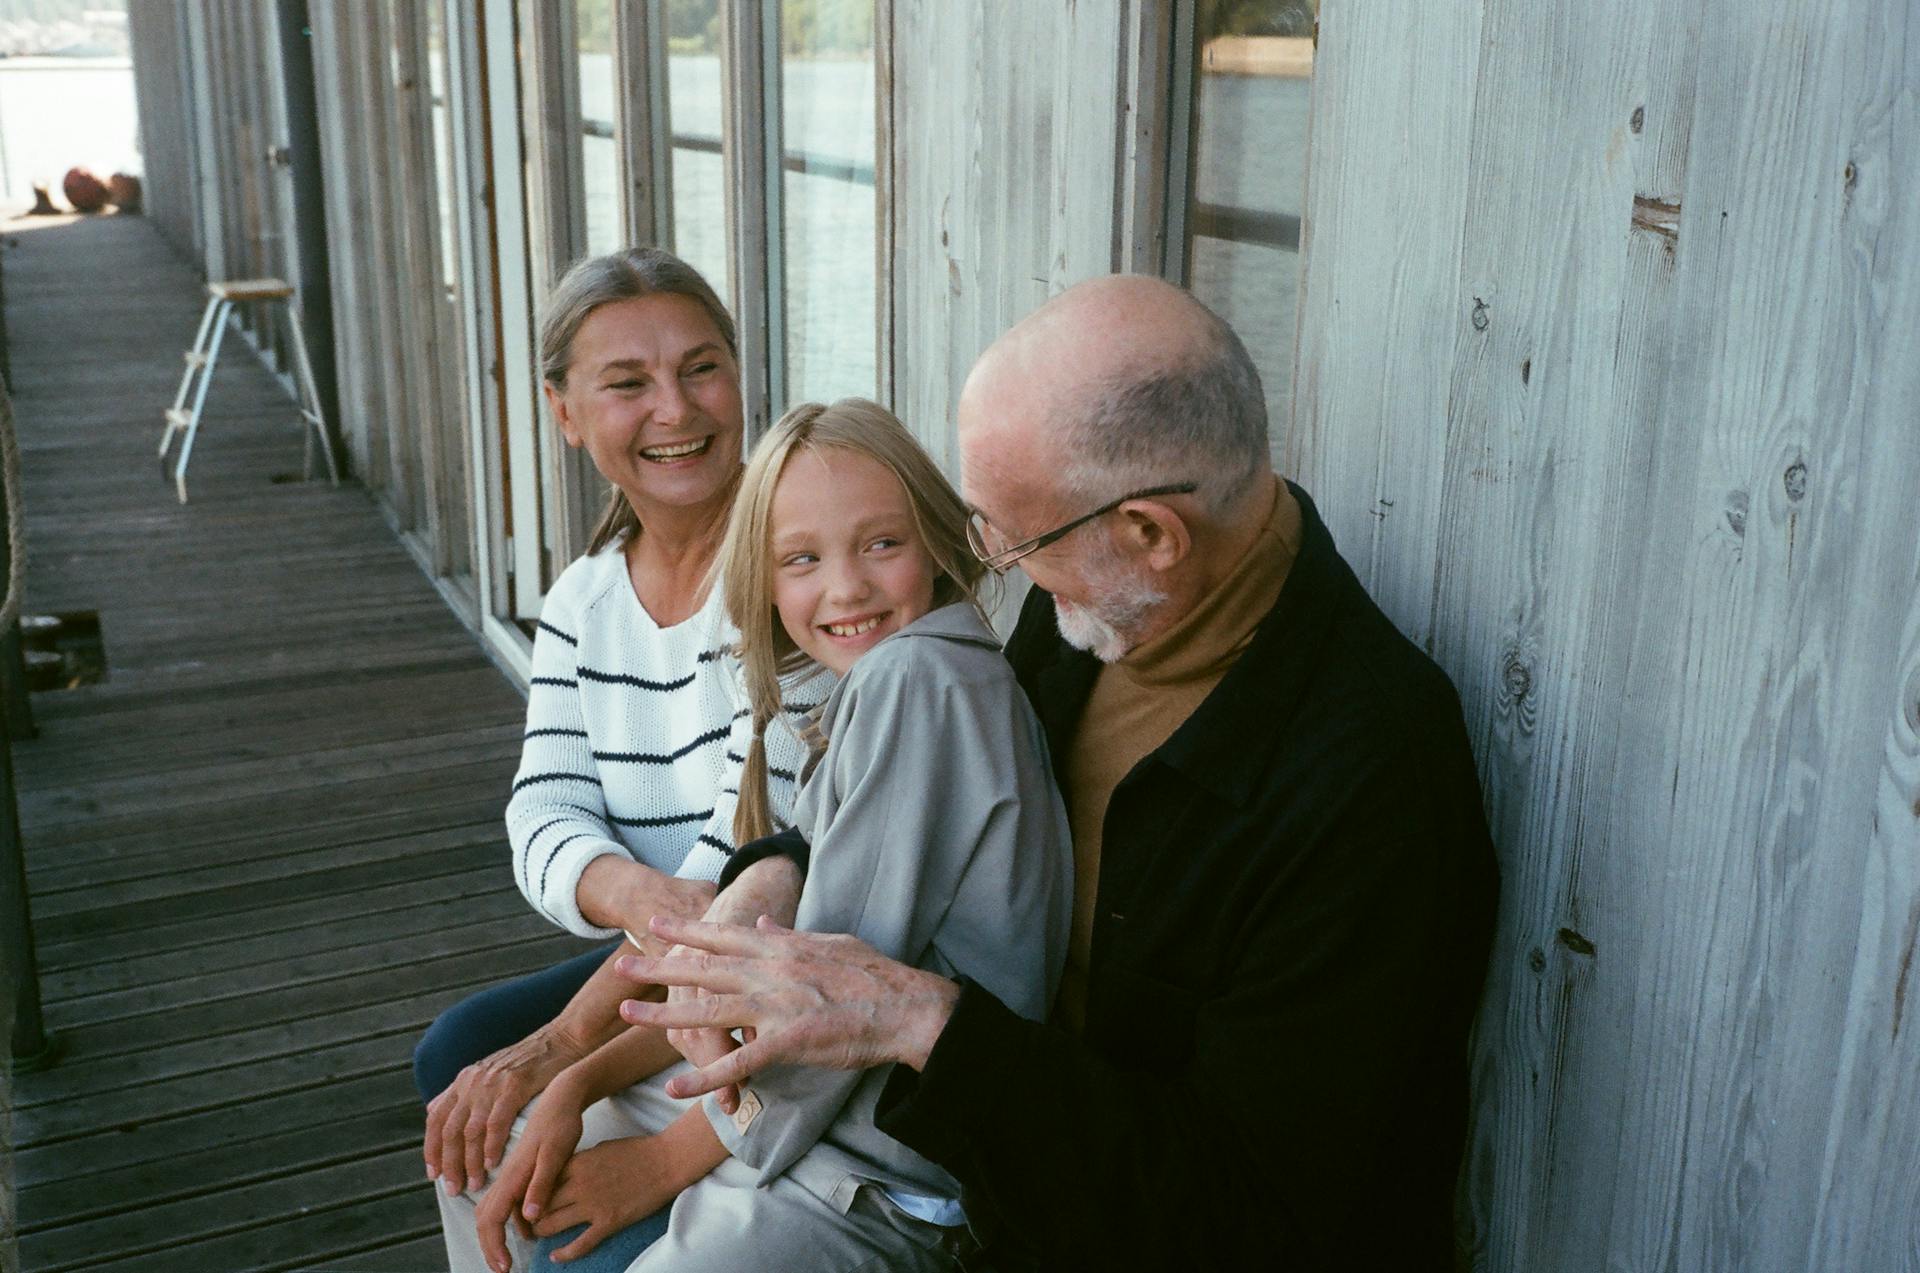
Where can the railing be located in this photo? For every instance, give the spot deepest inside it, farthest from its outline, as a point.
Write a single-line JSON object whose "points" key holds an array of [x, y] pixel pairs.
{"points": [[801, 161]]}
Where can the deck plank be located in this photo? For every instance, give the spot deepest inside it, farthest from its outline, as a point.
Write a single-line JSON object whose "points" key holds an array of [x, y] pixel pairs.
{"points": [[267, 849]]}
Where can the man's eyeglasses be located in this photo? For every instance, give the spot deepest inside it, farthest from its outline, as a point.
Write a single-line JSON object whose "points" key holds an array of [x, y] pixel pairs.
{"points": [[991, 547]]}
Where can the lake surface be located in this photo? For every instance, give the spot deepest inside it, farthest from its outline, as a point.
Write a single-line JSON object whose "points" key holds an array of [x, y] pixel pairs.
{"points": [[1251, 153]]}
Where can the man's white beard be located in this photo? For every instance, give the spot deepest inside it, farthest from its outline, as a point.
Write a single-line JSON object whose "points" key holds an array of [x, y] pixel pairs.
{"points": [[1105, 626]]}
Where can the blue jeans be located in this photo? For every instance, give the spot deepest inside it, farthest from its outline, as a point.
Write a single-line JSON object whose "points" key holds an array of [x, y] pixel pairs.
{"points": [[611, 1256], [490, 1019]]}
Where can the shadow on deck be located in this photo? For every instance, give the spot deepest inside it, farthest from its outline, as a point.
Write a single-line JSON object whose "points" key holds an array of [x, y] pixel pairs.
{"points": [[268, 848]]}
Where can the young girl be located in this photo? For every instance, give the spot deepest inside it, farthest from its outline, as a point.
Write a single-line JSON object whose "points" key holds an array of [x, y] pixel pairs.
{"points": [[936, 835]]}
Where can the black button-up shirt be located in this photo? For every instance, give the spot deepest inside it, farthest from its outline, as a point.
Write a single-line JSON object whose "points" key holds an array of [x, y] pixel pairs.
{"points": [[1295, 908]]}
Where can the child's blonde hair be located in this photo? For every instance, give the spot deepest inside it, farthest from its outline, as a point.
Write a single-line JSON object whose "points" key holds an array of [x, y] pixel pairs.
{"points": [[767, 654]]}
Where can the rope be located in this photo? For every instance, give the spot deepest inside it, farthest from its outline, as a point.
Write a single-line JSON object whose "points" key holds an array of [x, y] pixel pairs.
{"points": [[10, 494]]}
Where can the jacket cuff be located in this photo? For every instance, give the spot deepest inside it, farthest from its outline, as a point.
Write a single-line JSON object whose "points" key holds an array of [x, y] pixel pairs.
{"points": [[789, 844], [973, 1066]]}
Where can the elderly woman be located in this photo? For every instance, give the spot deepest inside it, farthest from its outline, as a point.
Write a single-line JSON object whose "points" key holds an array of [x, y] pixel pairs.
{"points": [[623, 805]]}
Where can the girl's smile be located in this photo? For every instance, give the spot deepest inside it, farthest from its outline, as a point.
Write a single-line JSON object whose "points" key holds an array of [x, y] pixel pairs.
{"points": [[849, 565]]}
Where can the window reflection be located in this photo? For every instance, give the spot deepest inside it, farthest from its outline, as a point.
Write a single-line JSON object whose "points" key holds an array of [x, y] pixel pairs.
{"points": [[827, 122], [599, 163], [1255, 64], [697, 113]]}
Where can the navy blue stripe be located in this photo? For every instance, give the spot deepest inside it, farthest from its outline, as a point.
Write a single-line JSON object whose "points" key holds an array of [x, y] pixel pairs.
{"points": [[708, 656], [617, 678], [785, 775], [550, 857], [667, 758], [557, 632], [801, 709], [531, 779], [561, 681], [717, 843], [671, 820], [545, 733], [543, 827]]}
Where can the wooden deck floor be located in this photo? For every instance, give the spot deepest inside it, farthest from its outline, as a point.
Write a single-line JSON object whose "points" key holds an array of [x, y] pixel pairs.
{"points": [[268, 849]]}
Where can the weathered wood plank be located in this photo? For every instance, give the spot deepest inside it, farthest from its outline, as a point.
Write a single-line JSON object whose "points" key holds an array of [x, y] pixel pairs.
{"points": [[1606, 388], [267, 849]]}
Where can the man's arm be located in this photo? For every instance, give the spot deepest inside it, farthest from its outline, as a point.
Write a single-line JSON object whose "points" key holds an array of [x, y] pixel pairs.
{"points": [[1283, 1110]]}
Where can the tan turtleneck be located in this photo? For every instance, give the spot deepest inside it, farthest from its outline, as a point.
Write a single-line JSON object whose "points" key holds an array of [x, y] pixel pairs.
{"points": [[1138, 701]]}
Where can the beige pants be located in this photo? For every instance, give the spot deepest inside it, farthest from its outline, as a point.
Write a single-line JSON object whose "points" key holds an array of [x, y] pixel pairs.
{"points": [[725, 1223]]}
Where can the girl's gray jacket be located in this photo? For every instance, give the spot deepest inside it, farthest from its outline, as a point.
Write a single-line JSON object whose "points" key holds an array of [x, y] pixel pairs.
{"points": [[938, 837]]}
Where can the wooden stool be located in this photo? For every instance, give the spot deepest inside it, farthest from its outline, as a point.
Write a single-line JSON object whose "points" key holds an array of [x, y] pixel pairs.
{"points": [[221, 298]]}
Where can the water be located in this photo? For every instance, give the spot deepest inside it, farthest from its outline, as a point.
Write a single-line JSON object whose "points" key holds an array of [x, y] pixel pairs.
{"points": [[1251, 153], [57, 113]]}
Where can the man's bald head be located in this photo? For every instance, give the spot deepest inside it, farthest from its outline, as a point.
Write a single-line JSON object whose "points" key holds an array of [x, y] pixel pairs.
{"points": [[1120, 382]]}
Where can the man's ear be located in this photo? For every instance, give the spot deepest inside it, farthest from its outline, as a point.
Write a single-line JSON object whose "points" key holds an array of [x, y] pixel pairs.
{"points": [[1155, 533], [558, 405]]}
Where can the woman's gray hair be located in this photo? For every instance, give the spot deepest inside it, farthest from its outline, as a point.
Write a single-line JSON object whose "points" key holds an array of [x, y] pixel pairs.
{"points": [[1200, 417], [619, 276], [601, 280]]}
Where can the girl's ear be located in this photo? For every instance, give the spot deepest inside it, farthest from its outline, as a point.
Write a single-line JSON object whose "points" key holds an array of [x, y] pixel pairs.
{"points": [[557, 401]]}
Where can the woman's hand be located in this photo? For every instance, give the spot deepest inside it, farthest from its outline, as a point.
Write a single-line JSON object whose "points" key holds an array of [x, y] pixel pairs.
{"points": [[468, 1124], [522, 1188]]}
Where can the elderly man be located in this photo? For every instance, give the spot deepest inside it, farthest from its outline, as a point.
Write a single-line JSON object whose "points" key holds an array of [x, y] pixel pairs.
{"points": [[1285, 891]]}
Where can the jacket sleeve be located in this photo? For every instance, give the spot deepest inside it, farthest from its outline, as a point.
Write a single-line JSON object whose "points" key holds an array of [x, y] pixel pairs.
{"points": [[945, 849], [557, 814], [1297, 1063]]}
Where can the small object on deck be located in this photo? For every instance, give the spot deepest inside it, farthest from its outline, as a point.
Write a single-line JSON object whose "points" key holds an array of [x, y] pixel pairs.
{"points": [[222, 296], [123, 191], [42, 202], [86, 192]]}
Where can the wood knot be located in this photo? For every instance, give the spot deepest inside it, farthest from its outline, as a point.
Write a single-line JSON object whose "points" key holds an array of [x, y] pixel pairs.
{"points": [[1574, 942], [1537, 959], [1516, 676], [1526, 370], [1479, 314], [1737, 513], [1639, 120], [1913, 703], [1849, 177], [1795, 480], [1661, 216]]}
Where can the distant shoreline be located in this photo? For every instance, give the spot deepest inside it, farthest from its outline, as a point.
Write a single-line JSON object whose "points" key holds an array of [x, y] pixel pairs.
{"points": [[1286, 55]]}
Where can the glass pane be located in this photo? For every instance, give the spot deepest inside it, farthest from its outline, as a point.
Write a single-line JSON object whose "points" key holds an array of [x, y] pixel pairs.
{"points": [[1249, 175], [827, 116], [696, 112], [600, 168]]}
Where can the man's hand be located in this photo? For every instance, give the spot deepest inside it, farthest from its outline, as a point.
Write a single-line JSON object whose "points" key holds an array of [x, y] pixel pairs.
{"points": [[810, 999], [769, 887], [468, 1124], [523, 1186]]}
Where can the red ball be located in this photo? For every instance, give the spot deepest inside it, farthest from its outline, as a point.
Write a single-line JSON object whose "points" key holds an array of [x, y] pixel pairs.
{"points": [[86, 192]]}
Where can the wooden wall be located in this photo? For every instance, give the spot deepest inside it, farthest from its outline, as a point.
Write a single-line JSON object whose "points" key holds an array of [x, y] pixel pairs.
{"points": [[1609, 386], [160, 68], [1006, 124]]}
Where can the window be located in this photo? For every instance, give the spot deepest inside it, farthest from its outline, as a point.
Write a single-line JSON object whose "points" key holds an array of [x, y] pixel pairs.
{"points": [[828, 210], [1253, 65], [599, 144], [696, 106]]}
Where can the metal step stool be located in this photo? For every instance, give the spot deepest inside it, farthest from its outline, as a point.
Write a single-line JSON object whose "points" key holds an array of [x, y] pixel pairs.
{"points": [[221, 298]]}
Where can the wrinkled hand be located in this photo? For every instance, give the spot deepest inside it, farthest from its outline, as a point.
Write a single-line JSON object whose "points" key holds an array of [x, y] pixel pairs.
{"points": [[816, 999], [769, 887], [522, 1188], [468, 1124], [607, 1188]]}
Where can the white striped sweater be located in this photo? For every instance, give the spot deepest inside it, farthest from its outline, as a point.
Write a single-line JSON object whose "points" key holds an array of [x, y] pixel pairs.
{"points": [[635, 739]]}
